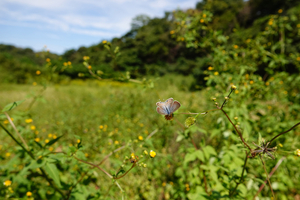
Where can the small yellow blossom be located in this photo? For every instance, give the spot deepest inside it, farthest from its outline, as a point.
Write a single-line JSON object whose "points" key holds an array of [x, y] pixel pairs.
{"points": [[236, 92], [164, 184], [172, 32], [7, 183], [146, 152], [69, 63], [47, 141], [201, 20], [38, 72], [54, 136], [297, 152], [182, 39], [132, 155], [280, 11], [204, 15], [251, 82], [104, 41], [145, 165], [7, 154], [50, 148], [6, 121], [270, 22], [116, 142], [32, 127], [50, 135], [171, 183], [86, 155], [34, 83], [233, 87], [248, 40], [141, 137], [48, 60], [187, 189], [36, 132], [267, 83], [89, 67], [65, 64], [152, 154], [216, 73], [37, 139], [281, 82], [101, 127], [235, 46], [280, 145], [235, 118], [298, 58], [78, 141], [210, 68], [29, 194]]}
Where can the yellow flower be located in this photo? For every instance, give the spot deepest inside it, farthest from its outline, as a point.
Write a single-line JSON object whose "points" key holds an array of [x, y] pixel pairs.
{"points": [[54, 136], [104, 41], [86, 155], [267, 83], [6, 122], [204, 15], [171, 183], [7, 183], [216, 73], [116, 142], [248, 40], [298, 152], [50, 135], [132, 155], [280, 11], [69, 63], [32, 127], [38, 72], [201, 20], [7, 154], [29, 194], [172, 32], [65, 64], [47, 140], [235, 46], [210, 68], [89, 67], [50, 148], [152, 154], [34, 83], [280, 145], [251, 82], [36, 132], [141, 137], [101, 127], [298, 58], [48, 60], [281, 82], [233, 87], [236, 91], [182, 39], [270, 22], [146, 152], [78, 141], [141, 125], [236, 118], [37, 139], [28, 121]]}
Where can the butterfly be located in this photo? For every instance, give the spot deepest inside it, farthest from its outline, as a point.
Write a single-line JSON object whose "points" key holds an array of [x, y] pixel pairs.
{"points": [[167, 108]]}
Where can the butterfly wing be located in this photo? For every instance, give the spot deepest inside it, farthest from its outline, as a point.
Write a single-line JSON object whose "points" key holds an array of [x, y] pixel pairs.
{"points": [[161, 108], [174, 106]]}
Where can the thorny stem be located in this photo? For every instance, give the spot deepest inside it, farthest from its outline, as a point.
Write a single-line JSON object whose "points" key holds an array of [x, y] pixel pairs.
{"points": [[270, 175], [283, 133], [242, 176], [14, 127], [268, 179]]}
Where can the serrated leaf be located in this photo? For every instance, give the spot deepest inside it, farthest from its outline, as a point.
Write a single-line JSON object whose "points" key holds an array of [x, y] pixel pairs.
{"points": [[53, 141], [11, 106], [53, 172]]}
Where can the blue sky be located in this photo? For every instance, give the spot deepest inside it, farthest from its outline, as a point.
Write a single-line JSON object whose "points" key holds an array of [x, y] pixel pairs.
{"points": [[67, 24]]}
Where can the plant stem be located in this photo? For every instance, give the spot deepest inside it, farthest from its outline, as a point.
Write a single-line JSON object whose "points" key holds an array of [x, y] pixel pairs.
{"points": [[284, 132], [268, 179]]}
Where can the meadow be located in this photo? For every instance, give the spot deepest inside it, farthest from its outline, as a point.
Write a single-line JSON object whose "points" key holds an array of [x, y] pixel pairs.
{"points": [[109, 122]]}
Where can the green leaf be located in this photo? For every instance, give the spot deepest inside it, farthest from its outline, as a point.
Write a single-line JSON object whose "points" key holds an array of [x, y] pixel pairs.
{"points": [[53, 141], [11, 106], [53, 172]]}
